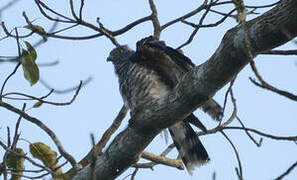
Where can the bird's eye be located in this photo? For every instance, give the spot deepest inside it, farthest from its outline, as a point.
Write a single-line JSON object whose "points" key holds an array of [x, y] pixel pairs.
{"points": [[120, 50]]}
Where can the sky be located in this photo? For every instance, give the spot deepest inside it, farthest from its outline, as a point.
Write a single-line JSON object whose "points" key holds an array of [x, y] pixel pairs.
{"points": [[99, 101]]}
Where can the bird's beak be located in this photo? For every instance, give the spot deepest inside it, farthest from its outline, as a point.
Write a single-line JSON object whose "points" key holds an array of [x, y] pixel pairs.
{"points": [[108, 59]]}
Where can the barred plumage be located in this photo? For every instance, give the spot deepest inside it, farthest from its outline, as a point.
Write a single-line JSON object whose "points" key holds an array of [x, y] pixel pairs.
{"points": [[149, 74]]}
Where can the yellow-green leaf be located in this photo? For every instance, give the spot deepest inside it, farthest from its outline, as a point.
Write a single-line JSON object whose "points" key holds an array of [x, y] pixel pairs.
{"points": [[16, 163], [38, 28], [46, 155], [38, 104], [31, 71], [31, 50], [35, 27]]}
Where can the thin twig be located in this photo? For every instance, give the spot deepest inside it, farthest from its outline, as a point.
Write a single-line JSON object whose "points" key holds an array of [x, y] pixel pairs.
{"points": [[249, 135], [134, 173], [209, 25], [265, 6], [106, 32], [67, 90], [94, 158], [284, 138], [130, 26], [190, 39], [190, 14], [40, 4], [8, 5], [108, 133], [236, 153], [280, 52], [16, 135], [103, 141], [41, 99], [222, 126], [16, 67], [82, 3], [263, 84], [73, 11], [27, 158], [287, 171], [43, 127], [227, 93]]}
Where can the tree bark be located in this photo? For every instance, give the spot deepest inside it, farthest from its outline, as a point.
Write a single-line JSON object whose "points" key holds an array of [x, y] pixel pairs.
{"points": [[272, 29]]}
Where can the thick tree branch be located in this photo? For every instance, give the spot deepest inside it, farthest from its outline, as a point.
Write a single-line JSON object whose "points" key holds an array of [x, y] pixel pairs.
{"points": [[265, 32]]}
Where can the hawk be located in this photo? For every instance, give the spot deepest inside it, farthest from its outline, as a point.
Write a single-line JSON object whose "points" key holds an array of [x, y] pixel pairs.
{"points": [[151, 72]]}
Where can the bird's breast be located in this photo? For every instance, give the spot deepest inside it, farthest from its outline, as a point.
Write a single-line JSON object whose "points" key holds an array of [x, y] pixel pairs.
{"points": [[142, 85]]}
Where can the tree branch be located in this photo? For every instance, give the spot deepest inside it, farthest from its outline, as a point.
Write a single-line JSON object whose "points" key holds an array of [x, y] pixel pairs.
{"points": [[177, 163], [43, 127]]}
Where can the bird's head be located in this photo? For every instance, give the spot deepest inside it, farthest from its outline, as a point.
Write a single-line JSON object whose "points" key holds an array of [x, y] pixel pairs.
{"points": [[119, 54]]}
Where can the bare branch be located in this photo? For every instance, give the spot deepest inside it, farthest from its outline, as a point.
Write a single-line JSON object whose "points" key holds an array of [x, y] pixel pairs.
{"points": [[209, 25], [67, 90], [190, 39], [284, 138], [280, 52], [287, 171], [27, 158], [265, 6], [82, 3], [249, 135], [240, 176], [16, 67], [177, 163], [43, 127], [8, 5], [155, 20], [265, 85], [40, 4], [134, 174], [131, 25], [16, 135], [190, 14], [41, 99], [107, 33], [94, 158], [97, 149]]}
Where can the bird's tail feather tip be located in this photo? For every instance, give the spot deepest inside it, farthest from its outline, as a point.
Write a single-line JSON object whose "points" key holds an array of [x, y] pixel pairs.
{"points": [[196, 164]]}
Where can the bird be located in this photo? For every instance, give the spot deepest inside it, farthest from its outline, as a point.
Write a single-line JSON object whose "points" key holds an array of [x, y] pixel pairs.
{"points": [[151, 72]]}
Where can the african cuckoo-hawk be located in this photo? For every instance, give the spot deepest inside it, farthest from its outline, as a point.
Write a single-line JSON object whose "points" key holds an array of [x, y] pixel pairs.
{"points": [[150, 73]]}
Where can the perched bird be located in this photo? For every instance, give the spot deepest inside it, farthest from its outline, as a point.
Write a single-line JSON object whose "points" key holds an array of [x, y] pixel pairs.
{"points": [[150, 73]]}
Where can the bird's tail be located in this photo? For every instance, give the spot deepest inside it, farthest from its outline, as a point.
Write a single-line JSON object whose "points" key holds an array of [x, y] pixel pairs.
{"points": [[188, 145], [213, 108]]}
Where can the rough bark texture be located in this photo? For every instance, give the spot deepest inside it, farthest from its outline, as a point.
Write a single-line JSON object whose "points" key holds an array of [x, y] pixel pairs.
{"points": [[266, 32]]}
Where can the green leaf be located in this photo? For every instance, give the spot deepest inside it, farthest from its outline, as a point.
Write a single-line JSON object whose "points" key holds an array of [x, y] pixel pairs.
{"points": [[16, 163], [38, 28], [35, 27], [44, 153], [31, 50], [38, 104], [31, 71]]}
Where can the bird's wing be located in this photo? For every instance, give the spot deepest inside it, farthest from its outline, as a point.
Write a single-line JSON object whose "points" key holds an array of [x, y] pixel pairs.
{"points": [[156, 59], [184, 64]]}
